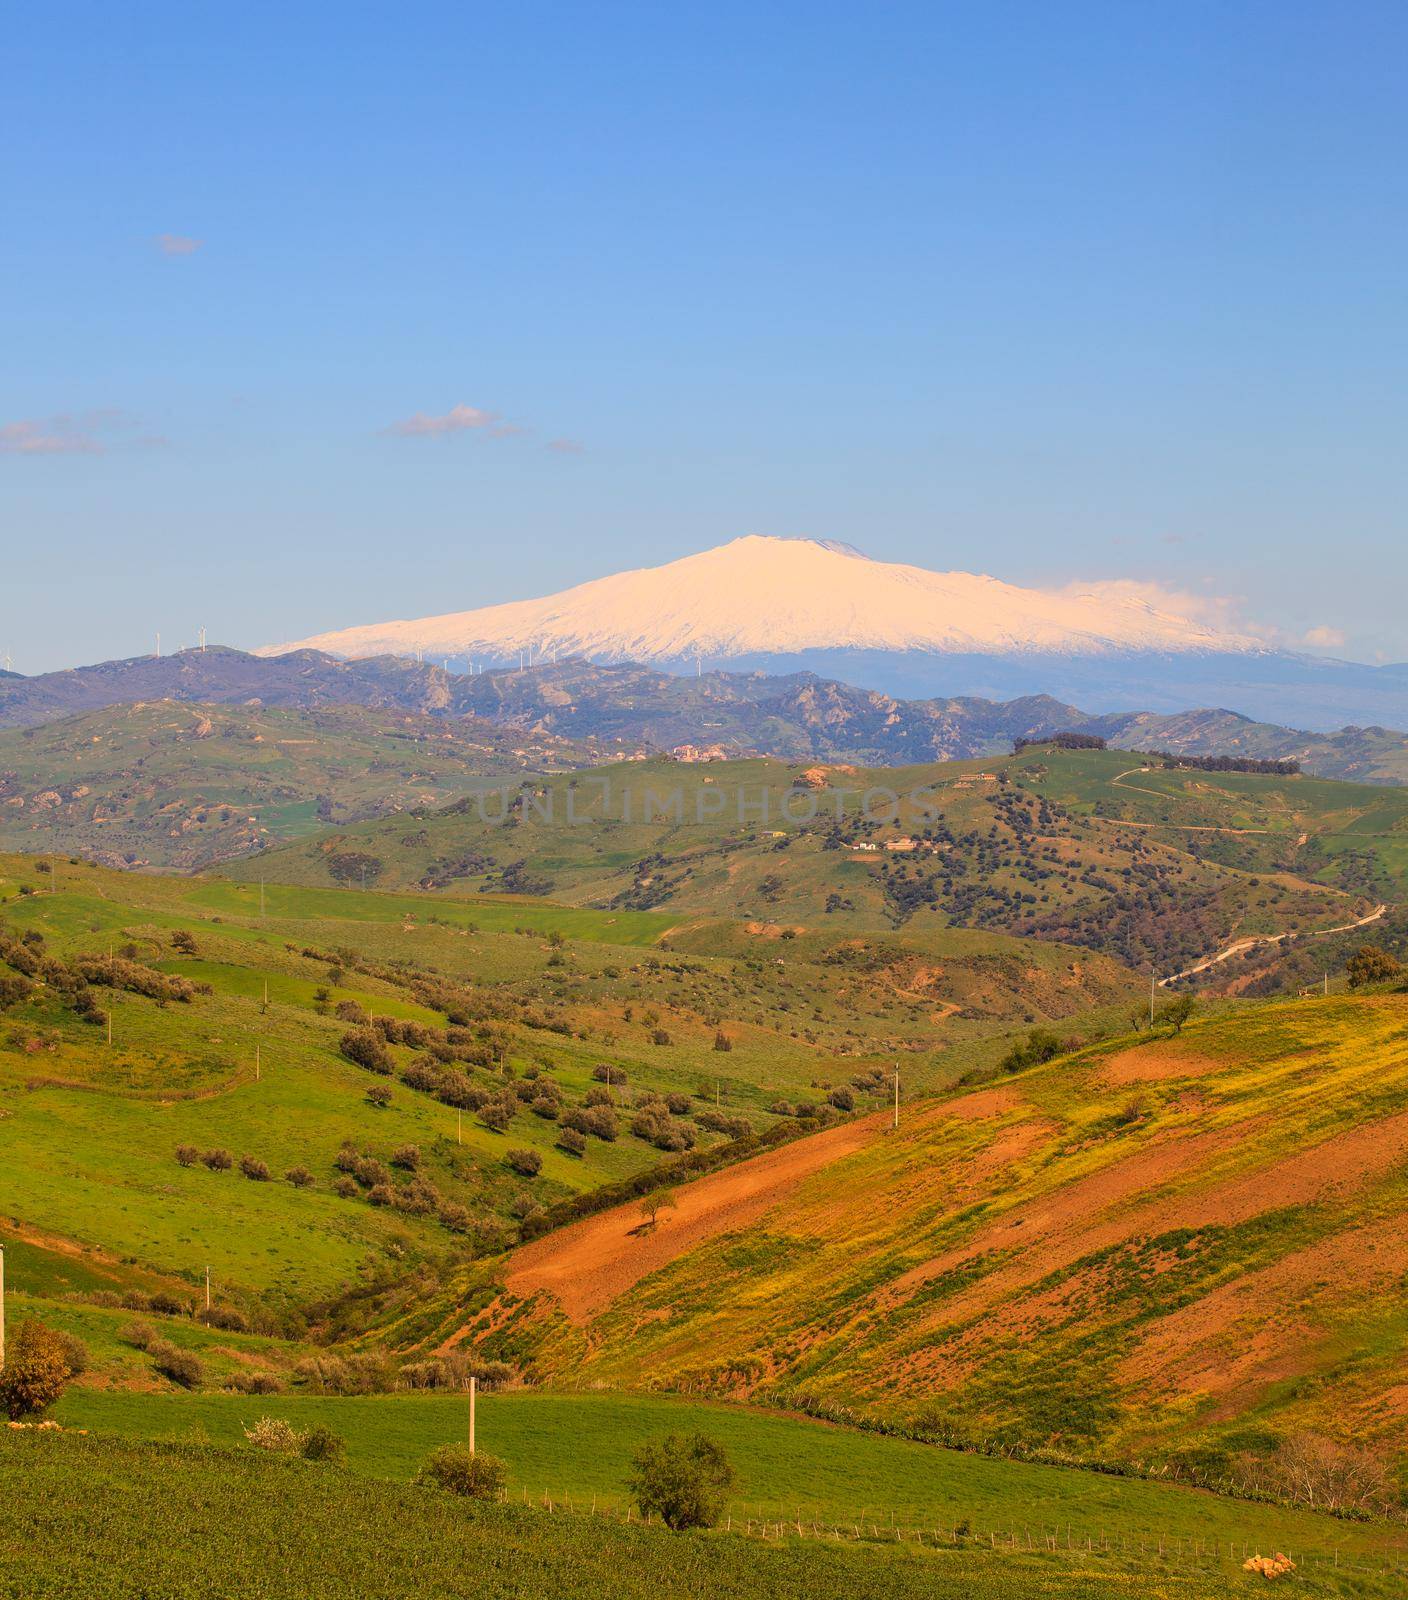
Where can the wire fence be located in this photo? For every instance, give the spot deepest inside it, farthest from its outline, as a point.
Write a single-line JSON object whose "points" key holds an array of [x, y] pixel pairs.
{"points": [[1179, 1549]]}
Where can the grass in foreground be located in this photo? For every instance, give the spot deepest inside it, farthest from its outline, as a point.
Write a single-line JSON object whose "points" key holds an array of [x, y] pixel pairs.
{"points": [[577, 1449], [88, 1518]]}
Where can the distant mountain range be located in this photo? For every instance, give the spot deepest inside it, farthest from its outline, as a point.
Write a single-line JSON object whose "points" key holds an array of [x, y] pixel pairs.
{"points": [[788, 605], [219, 676], [612, 710]]}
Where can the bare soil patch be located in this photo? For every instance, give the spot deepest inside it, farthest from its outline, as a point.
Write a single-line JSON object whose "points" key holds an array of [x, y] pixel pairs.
{"points": [[589, 1264], [1147, 1063]]}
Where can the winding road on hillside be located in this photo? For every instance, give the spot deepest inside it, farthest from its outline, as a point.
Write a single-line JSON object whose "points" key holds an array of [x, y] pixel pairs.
{"points": [[1251, 941], [1237, 947]]}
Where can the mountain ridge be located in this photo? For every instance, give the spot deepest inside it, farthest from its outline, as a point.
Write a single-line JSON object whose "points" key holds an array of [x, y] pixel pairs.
{"points": [[628, 707]]}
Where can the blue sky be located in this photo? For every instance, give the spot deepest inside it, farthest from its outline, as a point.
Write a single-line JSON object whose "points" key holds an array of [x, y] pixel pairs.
{"points": [[1051, 291]]}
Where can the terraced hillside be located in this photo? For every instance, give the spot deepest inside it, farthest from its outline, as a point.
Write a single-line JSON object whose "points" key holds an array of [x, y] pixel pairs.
{"points": [[172, 784], [1027, 847], [1186, 1248]]}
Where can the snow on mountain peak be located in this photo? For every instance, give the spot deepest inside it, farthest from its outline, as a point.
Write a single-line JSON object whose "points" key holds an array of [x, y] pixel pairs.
{"points": [[763, 595]]}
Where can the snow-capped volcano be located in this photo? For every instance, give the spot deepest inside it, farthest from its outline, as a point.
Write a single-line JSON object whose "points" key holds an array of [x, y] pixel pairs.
{"points": [[762, 597]]}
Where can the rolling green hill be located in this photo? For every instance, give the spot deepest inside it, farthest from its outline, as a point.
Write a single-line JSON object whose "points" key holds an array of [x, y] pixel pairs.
{"points": [[228, 1005], [172, 784], [1029, 847]]}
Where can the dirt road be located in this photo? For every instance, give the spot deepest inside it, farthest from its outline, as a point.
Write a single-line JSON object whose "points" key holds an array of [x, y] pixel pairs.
{"points": [[1238, 946]]}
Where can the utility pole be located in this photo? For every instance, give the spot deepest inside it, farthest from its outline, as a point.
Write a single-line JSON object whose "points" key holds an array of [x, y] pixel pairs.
{"points": [[897, 1095], [473, 1385], [256, 1063], [459, 1126], [1327, 985], [263, 1008], [207, 1286], [1151, 997]]}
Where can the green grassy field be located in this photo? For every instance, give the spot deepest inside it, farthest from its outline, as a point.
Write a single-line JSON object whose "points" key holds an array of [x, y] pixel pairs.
{"points": [[90, 1125], [84, 1518], [577, 1449]]}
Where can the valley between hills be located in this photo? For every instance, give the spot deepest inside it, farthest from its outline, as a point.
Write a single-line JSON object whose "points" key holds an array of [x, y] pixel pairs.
{"points": [[847, 1131]]}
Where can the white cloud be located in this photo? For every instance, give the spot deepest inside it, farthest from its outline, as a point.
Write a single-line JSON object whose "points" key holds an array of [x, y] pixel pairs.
{"points": [[565, 447], [1323, 638], [458, 419], [32, 437], [1222, 613], [177, 244], [88, 434]]}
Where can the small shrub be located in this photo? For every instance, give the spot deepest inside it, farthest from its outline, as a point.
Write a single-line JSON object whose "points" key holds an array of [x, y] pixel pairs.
{"points": [[276, 1435], [407, 1158], [35, 1372], [224, 1317], [360, 1372], [255, 1170], [166, 1304], [659, 1036], [140, 1335], [346, 1188], [571, 1141], [187, 1154], [459, 1470], [218, 1160], [75, 1352], [454, 1371], [320, 1443], [366, 1047], [180, 1366], [379, 1096], [369, 1172], [681, 1479], [300, 1177], [255, 1383], [527, 1163]]}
